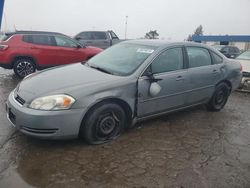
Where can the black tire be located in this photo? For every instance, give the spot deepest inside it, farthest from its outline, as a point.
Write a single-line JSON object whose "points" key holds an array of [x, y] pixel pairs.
{"points": [[103, 123], [23, 67], [219, 98]]}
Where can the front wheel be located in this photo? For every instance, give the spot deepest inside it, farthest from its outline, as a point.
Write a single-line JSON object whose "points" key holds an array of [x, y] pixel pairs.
{"points": [[103, 123], [23, 67], [219, 98]]}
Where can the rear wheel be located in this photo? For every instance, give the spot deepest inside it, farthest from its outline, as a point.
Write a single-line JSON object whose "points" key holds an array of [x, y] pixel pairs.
{"points": [[103, 123], [23, 67], [219, 98]]}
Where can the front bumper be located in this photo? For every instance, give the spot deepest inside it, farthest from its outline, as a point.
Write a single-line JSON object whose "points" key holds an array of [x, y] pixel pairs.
{"points": [[44, 124]]}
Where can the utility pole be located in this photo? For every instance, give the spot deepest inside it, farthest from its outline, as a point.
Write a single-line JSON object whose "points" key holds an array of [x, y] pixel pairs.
{"points": [[126, 25], [1, 11]]}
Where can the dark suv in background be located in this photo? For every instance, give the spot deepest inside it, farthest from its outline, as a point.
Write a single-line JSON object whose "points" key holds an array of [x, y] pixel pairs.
{"points": [[228, 51], [26, 51]]}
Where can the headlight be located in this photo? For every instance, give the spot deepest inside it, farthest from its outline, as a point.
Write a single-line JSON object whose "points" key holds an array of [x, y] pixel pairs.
{"points": [[53, 102]]}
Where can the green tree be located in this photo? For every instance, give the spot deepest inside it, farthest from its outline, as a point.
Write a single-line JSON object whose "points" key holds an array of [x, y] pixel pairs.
{"points": [[197, 31], [189, 38], [152, 34]]}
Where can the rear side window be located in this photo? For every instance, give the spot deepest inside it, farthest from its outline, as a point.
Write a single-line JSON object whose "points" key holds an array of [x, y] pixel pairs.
{"points": [[99, 35], [42, 39], [198, 57], [216, 58], [86, 36], [170, 60], [39, 39]]}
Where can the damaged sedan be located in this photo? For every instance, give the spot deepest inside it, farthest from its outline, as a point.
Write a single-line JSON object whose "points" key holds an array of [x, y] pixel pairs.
{"points": [[127, 83]]}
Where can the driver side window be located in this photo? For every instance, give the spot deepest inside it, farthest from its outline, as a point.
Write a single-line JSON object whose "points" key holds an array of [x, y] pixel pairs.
{"points": [[170, 60]]}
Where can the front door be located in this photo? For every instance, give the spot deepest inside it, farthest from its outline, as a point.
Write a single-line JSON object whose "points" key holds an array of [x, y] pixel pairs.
{"points": [[169, 73], [68, 51]]}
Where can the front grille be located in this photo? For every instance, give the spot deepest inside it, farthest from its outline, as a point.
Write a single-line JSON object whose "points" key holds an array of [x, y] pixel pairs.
{"points": [[246, 74], [20, 100]]}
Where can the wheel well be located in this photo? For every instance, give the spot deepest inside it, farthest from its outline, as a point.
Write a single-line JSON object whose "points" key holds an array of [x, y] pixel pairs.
{"points": [[228, 83], [23, 57], [124, 105]]}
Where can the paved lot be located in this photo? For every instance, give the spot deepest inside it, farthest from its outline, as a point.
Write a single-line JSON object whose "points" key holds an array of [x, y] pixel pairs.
{"points": [[192, 148]]}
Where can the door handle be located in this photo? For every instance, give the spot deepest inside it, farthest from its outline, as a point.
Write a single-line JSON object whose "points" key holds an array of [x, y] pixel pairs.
{"points": [[179, 78], [33, 47]]}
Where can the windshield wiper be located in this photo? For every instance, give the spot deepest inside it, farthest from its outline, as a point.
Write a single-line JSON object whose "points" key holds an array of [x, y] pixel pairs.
{"points": [[101, 69]]}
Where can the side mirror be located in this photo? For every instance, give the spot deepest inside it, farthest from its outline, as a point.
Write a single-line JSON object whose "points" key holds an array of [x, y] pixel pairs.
{"points": [[154, 89], [222, 51]]}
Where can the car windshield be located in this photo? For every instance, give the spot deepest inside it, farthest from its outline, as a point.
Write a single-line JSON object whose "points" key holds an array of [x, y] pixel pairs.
{"points": [[244, 55], [121, 59]]}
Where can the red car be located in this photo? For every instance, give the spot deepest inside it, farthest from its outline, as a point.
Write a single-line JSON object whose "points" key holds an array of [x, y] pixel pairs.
{"points": [[26, 51]]}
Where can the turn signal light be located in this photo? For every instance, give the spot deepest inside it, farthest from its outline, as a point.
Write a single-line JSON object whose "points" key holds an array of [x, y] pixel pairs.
{"points": [[3, 47]]}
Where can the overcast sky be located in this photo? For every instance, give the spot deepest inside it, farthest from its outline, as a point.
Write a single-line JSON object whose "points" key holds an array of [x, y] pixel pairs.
{"points": [[173, 19]]}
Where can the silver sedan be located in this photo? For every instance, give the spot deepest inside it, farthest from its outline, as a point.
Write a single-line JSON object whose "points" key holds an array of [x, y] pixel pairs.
{"points": [[127, 83]]}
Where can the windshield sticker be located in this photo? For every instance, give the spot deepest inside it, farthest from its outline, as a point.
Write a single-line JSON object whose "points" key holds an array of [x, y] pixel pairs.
{"points": [[147, 51]]}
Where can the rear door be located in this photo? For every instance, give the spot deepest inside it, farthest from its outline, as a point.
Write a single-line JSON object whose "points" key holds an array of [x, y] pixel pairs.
{"points": [[169, 69], [101, 39], [203, 75], [85, 38]]}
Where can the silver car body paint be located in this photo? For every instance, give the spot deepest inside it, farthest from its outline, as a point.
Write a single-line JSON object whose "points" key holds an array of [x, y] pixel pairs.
{"points": [[179, 89]]}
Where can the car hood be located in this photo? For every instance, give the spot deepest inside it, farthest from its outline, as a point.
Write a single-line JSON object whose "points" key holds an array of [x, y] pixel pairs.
{"points": [[245, 65], [62, 80]]}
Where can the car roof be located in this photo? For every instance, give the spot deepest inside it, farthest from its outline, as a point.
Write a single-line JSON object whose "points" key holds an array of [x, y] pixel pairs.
{"points": [[33, 32], [163, 43]]}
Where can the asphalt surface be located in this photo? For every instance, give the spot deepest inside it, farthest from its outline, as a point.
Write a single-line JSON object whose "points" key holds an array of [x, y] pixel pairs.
{"points": [[192, 148]]}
